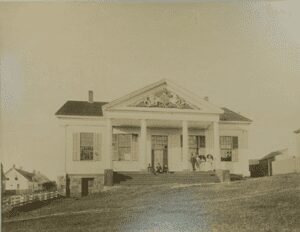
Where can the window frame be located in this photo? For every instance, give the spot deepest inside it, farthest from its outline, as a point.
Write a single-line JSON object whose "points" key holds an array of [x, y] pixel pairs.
{"points": [[116, 147], [93, 147], [231, 146], [198, 141]]}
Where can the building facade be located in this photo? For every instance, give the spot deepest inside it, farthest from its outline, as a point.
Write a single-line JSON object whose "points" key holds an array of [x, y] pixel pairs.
{"points": [[161, 123]]}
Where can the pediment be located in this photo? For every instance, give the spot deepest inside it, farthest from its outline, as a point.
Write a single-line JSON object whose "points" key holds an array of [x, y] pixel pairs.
{"points": [[162, 96]]}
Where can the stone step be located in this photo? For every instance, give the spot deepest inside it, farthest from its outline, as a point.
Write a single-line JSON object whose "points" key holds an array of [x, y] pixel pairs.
{"points": [[142, 178], [167, 182], [170, 173], [173, 179]]}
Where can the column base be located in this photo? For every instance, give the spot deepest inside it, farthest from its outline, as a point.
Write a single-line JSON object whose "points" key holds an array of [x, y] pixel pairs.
{"points": [[108, 177]]}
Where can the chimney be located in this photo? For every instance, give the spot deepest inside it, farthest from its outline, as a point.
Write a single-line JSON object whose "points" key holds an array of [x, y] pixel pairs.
{"points": [[14, 166], [206, 98], [91, 96]]}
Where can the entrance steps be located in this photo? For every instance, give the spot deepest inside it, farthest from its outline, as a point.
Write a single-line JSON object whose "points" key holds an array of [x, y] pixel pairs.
{"points": [[145, 178]]}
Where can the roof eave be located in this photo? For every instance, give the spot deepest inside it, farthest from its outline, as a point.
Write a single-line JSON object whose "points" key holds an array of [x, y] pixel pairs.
{"points": [[62, 116], [236, 122]]}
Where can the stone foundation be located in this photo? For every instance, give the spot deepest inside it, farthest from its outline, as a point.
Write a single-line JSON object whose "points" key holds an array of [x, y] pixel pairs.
{"points": [[223, 175], [61, 185], [95, 184]]}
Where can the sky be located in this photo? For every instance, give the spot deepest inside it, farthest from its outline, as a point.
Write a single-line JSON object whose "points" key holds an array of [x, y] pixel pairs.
{"points": [[244, 55]]}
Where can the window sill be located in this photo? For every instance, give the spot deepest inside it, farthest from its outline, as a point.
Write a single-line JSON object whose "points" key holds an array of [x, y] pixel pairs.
{"points": [[229, 161], [125, 160], [86, 160]]}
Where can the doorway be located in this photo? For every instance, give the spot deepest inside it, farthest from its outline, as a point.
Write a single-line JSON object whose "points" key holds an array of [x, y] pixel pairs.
{"points": [[86, 184], [159, 154]]}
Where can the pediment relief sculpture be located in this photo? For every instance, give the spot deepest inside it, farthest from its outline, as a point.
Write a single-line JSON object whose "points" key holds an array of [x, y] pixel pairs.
{"points": [[164, 99]]}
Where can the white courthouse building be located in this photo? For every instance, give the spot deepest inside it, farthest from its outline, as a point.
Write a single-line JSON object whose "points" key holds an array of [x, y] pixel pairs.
{"points": [[160, 123]]}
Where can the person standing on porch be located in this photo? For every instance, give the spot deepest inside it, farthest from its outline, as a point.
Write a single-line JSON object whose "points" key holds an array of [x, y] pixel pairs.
{"points": [[193, 161]]}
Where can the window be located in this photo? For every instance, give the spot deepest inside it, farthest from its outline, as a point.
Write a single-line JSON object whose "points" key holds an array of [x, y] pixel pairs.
{"points": [[196, 144], [86, 146], [18, 186], [229, 148], [159, 142], [16, 178], [125, 147]]}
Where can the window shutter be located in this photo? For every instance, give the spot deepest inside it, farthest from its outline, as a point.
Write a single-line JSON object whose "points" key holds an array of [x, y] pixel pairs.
{"points": [[181, 141], [235, 155], [115, 147], [235, 146], [201, 141], [97, 146], [235, 142], [76, 146], [134, 147]]}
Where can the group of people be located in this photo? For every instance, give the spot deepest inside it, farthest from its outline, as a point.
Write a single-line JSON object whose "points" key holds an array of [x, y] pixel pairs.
{"points": [[158, 169], [202, 162], [199, 163]]}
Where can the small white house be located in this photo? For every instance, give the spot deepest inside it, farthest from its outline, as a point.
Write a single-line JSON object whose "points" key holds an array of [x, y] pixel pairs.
{"points": [[160, 123], [22, 181]]}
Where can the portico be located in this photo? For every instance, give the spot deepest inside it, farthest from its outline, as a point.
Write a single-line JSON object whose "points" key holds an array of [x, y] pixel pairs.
{"points": [[176, 134]]}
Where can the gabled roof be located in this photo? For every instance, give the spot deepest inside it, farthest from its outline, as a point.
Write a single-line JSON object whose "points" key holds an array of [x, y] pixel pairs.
{"points": [[230, 115], [85, 108], [81, 108], [28, 175]]}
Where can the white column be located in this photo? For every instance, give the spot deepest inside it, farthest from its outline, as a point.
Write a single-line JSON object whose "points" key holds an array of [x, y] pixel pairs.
{"points": [[216, 145], [109, 156], [185, 145], [143, 145]]}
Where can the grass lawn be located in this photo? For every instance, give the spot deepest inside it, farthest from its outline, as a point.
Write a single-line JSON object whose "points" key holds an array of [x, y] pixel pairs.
{"points": [[264, 204]]}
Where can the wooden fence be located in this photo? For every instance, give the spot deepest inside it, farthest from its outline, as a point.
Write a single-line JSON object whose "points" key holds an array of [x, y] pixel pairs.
{"points": [[19, 200]]}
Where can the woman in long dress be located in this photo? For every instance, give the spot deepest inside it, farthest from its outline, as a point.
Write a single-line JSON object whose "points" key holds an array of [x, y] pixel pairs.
{"points": [[198, 162], [202, 162], [209, 162]]}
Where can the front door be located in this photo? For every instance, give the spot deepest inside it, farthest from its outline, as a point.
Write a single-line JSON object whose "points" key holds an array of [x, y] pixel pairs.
{"points": [[159, 150], [85, 184]]}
